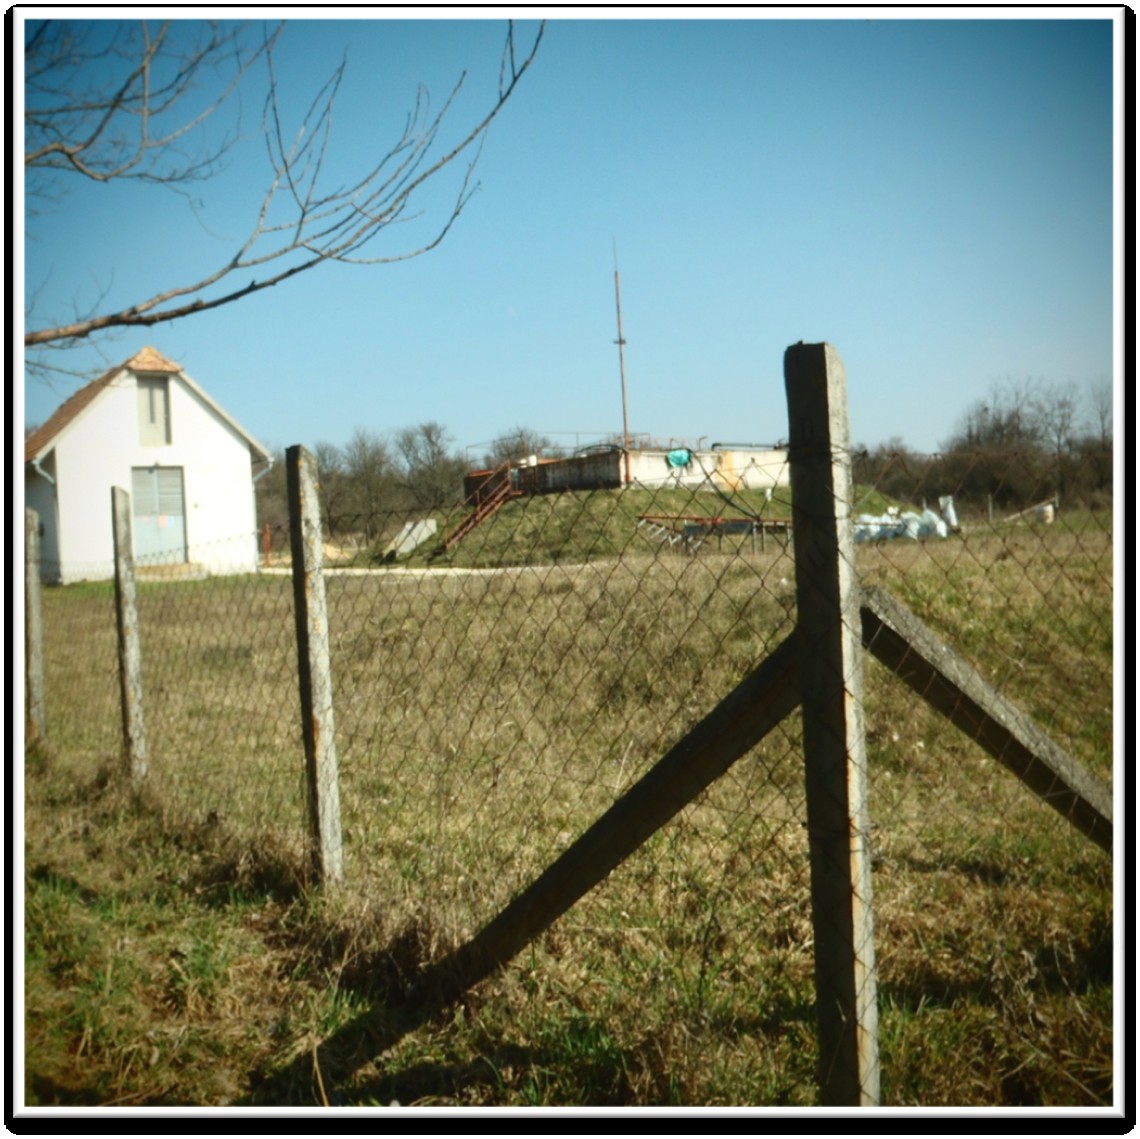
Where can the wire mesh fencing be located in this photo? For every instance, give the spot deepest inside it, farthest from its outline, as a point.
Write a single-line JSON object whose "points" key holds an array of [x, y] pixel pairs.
{"points": [[217, 683], [499, 696], [220, 694], [493, 702], [991, 903]]}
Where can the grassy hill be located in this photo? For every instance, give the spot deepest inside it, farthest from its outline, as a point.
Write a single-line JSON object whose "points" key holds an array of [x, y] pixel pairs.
{"points": [[583, 526]]}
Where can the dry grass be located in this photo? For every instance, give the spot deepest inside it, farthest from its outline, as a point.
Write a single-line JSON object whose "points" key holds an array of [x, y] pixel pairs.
{"points": [[484, 720]]}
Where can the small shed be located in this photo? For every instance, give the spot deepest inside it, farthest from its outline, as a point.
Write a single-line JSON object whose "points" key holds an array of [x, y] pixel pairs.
{"points": [[188, 466]]}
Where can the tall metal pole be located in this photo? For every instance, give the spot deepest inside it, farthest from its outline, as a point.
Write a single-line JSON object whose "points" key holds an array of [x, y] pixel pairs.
{"points": [[620, 342]]}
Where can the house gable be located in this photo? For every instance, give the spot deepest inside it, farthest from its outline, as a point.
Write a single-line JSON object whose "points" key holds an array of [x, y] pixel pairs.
{"points": [[145, 363]]}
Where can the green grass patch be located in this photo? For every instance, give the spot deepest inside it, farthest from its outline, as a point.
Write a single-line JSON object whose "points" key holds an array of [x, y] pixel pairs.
{"points": [[175, 952]]}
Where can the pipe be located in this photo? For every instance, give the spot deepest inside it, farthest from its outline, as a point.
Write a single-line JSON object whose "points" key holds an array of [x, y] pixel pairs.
{"points": [[40, 471], [268, 468]]}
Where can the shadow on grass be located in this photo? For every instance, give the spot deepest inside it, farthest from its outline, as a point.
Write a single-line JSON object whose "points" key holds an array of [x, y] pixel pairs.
{"points": [[52, 879], [314, 1078], [1089, 967], [46, 1091], [574, 1061]]}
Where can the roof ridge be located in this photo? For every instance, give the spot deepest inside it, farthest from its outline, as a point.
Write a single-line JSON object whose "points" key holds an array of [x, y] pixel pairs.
{"points": [[149, 359]]}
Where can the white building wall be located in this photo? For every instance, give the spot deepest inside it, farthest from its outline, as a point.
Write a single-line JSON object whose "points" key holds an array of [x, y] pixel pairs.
{"points": [[728, 470], [89, 461], [754, 470], [39, 494], [217, 481], [97, 451], [649, 468], [725, 470]]}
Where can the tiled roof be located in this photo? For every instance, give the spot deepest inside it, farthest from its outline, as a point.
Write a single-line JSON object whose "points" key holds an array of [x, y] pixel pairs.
{"points": [[39, 439], [146, 360]]}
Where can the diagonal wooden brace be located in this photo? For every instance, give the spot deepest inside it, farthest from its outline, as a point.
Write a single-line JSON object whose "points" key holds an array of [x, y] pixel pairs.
{"points": [[919, 658], [736, 725]]}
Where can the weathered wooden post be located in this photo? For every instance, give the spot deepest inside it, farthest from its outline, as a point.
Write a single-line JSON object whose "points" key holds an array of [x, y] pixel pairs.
{"points": [[33, 626], [835, 761], [313, 667], [130, 652]]}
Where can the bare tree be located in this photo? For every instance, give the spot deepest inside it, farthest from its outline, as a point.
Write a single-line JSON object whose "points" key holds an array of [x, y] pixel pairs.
{"points": [[1055, 408], [272, 499], [432, 473], [139, 114], [518, 443], [1101, 402], [1097, 448], [1006, 421], [136, 122], [370, 479], [332, 489]]}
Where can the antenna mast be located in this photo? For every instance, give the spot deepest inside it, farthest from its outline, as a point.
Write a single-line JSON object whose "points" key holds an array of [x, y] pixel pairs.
{"points": [[620, 342]]}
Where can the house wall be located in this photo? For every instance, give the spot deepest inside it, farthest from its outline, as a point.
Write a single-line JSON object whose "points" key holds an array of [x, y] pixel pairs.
{"points": [[221, 517], [39, 495], [728, 470], [97, 451], [89, 460], [753, 469]]}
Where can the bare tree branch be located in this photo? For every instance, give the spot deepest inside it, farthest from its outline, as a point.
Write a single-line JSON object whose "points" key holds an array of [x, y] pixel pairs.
{"points": [[124, 129], [300, 224]]}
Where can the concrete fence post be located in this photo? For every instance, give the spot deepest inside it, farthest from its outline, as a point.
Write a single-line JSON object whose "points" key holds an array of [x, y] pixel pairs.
{"points": [[835, 761], [314, 671], [33, 627], [130, 652]]}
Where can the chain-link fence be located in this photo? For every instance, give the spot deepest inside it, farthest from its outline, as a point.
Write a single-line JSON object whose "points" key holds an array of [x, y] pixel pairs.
{"points": [[989, 905], [574, 657]]}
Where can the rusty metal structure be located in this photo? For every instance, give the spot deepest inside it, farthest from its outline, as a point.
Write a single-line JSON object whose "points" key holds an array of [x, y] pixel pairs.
{"points": [[486, 491]]}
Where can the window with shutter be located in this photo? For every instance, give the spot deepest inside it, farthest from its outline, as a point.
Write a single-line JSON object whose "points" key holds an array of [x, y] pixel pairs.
{"points": [[154, 411], [158, 513]]}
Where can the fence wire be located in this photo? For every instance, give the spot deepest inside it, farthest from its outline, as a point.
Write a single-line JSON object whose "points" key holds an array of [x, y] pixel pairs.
{"points": [[495, 698], [496, 695], [989, 906]]}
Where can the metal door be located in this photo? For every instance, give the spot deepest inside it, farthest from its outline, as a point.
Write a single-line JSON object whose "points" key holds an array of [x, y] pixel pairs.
{"points": [[158, 514]]}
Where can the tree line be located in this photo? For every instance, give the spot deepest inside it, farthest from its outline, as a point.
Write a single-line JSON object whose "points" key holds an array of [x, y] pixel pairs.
{"points": [[1024, 443], [412, 470]]}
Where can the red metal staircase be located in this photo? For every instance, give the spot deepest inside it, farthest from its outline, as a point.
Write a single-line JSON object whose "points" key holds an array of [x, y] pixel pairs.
{"points": [[488, 496]]}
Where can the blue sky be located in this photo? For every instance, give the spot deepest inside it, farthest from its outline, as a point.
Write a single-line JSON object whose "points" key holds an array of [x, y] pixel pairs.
{"points": [[934, 197]]}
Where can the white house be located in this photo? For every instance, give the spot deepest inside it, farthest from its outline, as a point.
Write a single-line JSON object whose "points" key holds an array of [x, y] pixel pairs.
{"points": [[189, 468]]}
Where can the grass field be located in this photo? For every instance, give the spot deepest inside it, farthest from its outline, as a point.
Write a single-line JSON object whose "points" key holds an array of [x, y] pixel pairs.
{"points": [[484, 719]]}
